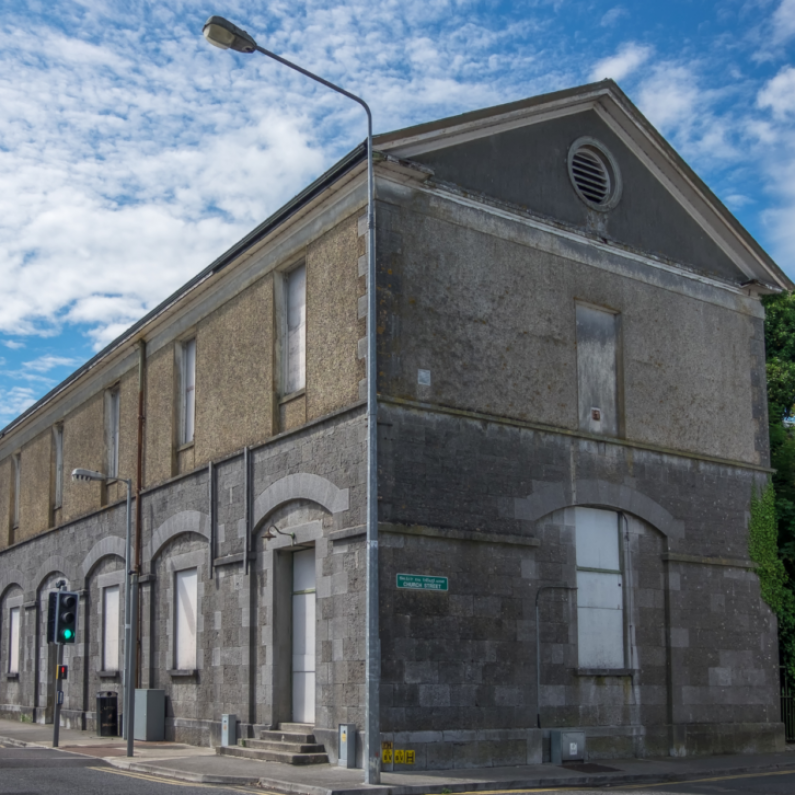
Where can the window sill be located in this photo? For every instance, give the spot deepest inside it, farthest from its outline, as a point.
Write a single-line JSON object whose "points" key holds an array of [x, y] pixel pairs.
{"points": [[292, 396], [604, 671], [108, 674], [13, 677], [186, 446], [182, 673]]}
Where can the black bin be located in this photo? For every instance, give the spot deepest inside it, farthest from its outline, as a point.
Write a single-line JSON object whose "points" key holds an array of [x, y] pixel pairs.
{"points": [[108, 713]]}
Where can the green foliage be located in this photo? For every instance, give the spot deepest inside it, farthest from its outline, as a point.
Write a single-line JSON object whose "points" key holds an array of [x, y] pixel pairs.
{"points": [[775, 583], [773, 512], [780, 348]]}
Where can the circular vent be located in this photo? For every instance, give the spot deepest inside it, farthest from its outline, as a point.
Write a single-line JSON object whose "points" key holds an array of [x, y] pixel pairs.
{"points": [[594, 174]]}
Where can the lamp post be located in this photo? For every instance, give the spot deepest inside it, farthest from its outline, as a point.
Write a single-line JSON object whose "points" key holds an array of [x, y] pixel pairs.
{"points": [[130, 611], [222, 33]]}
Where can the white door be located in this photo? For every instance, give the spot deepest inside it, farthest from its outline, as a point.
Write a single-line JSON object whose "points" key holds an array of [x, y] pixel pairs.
{"points": [[304, 636]]}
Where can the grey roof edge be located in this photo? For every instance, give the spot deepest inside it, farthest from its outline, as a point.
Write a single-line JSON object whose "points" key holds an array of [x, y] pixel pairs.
{"points": [[581, 93], [286, 211]]}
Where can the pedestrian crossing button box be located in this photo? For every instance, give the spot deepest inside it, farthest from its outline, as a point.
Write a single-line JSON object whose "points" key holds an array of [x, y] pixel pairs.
{"points": [[228, 730], [347, 745]]}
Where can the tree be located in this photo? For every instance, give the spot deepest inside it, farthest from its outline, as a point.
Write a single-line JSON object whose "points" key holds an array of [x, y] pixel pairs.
{"points": [[780, 366]]}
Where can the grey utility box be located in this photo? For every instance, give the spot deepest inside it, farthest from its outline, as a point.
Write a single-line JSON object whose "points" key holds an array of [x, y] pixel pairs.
{"points": [[150, 715], [347, 745], [566, 746], [228, 730]]}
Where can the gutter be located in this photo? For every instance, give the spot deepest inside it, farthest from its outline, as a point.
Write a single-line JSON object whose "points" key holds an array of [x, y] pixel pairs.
{"points": [[287, 211]]}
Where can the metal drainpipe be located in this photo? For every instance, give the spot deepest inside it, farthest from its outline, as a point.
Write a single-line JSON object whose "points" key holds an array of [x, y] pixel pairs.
{"points": [[138, 486]]}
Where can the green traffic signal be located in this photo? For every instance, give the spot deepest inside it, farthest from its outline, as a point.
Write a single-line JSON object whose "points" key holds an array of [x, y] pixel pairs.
{"points": [[66, 616]]}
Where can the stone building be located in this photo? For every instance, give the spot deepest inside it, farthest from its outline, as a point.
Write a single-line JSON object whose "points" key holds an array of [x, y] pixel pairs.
{"points": [[571, 392]]}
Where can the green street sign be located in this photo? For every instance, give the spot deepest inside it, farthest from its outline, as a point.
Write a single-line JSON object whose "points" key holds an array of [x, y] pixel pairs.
{"points": [[420, 582]]}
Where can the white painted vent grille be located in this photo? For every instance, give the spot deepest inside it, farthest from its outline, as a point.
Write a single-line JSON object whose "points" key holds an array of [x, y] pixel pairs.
{"points": [[594, 174]]}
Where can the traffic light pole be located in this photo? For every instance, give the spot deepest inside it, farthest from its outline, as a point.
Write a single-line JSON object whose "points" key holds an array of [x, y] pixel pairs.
{"points": [[129, 707], [56, 723]]}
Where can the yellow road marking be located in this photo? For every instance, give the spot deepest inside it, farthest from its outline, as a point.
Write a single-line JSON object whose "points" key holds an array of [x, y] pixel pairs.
{"points": [[637, 786], [703, 780]]}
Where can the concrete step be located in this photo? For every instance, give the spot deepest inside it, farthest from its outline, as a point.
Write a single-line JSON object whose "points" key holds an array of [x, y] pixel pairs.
{"points": [[273, 756], [298, 728], [277, 745], [280, 736]]}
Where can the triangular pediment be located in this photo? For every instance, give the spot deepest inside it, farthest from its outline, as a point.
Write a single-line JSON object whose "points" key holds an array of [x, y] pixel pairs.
{"points": [[518, 154]]}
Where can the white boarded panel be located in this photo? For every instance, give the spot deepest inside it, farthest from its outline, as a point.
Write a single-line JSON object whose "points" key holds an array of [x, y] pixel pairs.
{"points": [[304, 636], [599, 590], [13, 640], [304, 697], [185, 619], [110, 628], [304, 570], [296, 330], [597, 538], [600, 637]]}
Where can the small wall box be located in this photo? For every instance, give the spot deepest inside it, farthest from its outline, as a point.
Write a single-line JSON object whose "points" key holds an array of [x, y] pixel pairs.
{"points": [[150, 715], [566, 746], [228, 730], [347, 745]]}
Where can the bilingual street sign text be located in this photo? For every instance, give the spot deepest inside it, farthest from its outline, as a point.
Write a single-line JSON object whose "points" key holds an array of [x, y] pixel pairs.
{"points": [[421, 582]]}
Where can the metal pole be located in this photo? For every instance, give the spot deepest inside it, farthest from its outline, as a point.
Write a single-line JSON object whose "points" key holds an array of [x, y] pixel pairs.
{"points": [[538, 645], [128, 639], [372, 707], [56, 728], [129, 711], [372, 744]]}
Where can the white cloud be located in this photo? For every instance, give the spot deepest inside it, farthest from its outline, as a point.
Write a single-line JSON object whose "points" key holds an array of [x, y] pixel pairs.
{"points": [[628, 58], [783, 22], [670, 96], [778, 94], [13, 344], [612, 16], [43, 364], [14, 401]]}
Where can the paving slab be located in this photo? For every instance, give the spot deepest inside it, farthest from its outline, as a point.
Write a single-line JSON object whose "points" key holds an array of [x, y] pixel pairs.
{"points": [[203, 765]]}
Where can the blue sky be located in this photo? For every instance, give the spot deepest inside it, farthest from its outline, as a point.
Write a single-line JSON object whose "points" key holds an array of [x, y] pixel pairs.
{"points": [[132, 153]]}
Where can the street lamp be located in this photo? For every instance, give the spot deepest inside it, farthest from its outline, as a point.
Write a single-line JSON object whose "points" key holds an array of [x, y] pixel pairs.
{"points": [[130, 610], [222, 33]]}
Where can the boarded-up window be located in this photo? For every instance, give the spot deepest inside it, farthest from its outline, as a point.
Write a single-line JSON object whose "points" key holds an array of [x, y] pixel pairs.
{"points": [[600, 597], [57, 435], [295, 353], [597, 370], [112, 407], [13, 640], [110, 628], [188, 391], [185, 619], [17, 485]]}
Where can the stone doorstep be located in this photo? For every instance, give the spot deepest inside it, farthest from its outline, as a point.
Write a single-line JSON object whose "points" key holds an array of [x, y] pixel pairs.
{"points": [[287, 756]]}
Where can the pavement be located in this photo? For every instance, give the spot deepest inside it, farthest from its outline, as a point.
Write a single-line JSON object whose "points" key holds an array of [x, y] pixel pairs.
{"points": [[203, 766]]}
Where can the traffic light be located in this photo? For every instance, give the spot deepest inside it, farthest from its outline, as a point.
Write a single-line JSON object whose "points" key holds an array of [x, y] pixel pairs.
{"points": [[66, 616]]}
